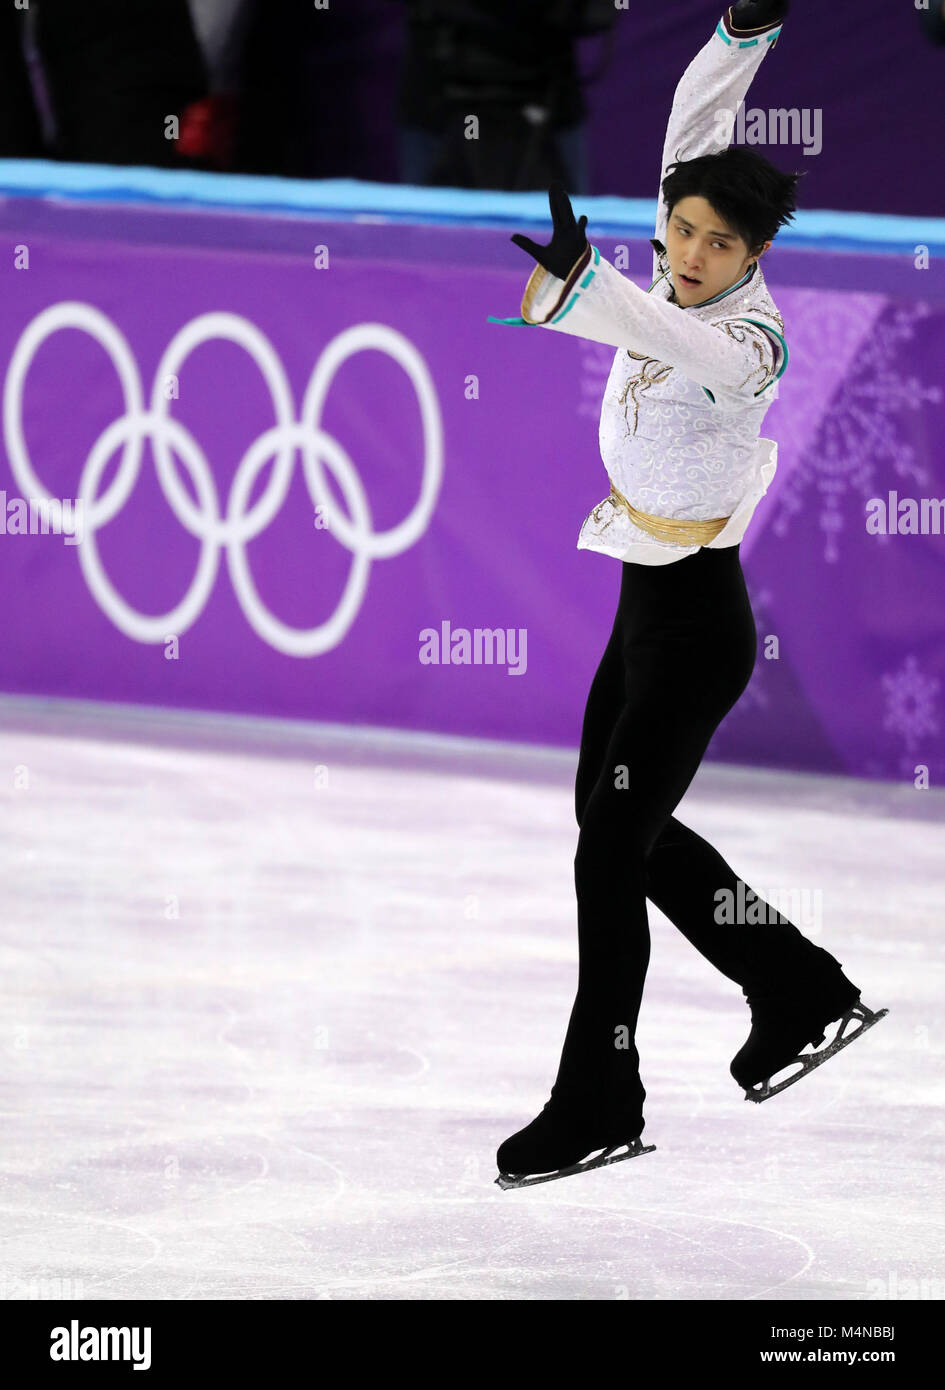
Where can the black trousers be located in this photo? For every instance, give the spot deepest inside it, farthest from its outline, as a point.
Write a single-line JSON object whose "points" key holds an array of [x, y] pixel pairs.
{"points": [[681, 652]]}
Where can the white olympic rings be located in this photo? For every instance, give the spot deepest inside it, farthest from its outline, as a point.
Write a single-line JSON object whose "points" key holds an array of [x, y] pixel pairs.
{"points": [[169, 436]]}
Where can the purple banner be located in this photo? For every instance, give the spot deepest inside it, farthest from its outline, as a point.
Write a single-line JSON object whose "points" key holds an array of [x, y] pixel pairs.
{"points": [[307, 475]]}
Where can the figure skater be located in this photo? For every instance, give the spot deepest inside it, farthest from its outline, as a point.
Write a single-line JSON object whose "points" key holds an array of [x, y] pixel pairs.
{"points": [[698, 357]]}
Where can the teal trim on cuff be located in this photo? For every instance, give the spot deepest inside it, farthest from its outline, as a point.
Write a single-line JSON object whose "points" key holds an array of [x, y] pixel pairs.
{"points": [[583, 286], [523, 322], [778, 374], [746, 43], [768, 329], [570, 305]]}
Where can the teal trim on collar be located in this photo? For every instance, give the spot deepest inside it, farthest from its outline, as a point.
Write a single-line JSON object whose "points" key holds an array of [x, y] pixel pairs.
{"points": [[515, 321], [731, 290], [709, 394]]}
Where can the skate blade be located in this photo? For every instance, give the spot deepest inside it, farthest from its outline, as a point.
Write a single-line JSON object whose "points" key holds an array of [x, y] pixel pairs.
{"points": [[809, 1060], [633, 1150]]}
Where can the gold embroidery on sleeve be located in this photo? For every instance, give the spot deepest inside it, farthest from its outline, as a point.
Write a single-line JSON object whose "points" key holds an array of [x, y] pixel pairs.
{"points": [[641, 382], [765, 372]]}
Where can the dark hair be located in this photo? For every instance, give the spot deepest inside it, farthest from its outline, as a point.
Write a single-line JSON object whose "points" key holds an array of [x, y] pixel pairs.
{"points": [[747, 190]]}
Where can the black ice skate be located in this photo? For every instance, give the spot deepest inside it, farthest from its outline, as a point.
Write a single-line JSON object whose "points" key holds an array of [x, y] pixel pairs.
{"points": [[784, 1023], [559, 1141], [633, 1150]]}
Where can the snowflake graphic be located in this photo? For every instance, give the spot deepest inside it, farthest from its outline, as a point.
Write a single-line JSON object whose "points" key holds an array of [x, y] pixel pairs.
{"points": [[910, 701], [858, 442]]}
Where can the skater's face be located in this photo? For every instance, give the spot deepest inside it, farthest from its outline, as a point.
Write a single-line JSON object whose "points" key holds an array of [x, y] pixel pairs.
{"points": [[701, 245]]}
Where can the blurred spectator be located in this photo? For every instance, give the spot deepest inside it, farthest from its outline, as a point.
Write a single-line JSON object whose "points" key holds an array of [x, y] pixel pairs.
{"points": [[932, 20], [259, 86], [302, 90], [21, 131], [95, 83], [510, 63], [209, 126]]}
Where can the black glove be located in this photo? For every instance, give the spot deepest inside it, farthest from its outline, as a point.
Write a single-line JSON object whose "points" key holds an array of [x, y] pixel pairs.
{"points": [[755, 14], [568, 240]]}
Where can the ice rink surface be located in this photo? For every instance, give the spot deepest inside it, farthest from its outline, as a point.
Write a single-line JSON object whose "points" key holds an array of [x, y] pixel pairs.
{"points": [[273, 994]]}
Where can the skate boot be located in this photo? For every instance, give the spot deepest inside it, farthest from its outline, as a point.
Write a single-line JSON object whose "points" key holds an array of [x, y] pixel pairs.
{"points": [[784, 1021], [566, 1132]]}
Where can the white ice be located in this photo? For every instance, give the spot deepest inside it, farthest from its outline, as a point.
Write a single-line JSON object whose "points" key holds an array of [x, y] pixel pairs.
{"points": [[273, 993]]}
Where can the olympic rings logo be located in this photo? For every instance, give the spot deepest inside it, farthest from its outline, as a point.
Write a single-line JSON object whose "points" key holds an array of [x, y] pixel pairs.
{"points": [[239, 525]]}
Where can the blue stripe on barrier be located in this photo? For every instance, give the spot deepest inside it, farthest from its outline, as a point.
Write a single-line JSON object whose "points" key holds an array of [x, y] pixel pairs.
{"points": [[361, 201]]}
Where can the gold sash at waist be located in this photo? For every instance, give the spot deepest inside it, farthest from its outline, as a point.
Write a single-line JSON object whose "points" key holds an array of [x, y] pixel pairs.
{"points": [[665, 528]]}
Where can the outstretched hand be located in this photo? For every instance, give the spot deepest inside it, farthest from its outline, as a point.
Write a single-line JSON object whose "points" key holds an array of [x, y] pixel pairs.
{"points": [[567, 241], [755, 14]]}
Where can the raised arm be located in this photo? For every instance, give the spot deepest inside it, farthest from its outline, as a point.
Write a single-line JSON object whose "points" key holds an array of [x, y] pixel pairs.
{"points": [[576, 290], [708, 94]]}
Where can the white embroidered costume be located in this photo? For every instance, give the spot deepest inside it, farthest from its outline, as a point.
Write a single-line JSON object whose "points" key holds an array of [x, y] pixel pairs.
{"points": [[689, 387]]}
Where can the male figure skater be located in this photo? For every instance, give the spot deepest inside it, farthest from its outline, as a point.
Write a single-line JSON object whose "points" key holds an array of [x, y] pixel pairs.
{"points": [[693, 377]]}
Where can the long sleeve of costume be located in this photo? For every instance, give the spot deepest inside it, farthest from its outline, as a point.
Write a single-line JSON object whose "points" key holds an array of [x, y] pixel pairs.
{"points": [[707, 99], [597, 302], [604, 306]]}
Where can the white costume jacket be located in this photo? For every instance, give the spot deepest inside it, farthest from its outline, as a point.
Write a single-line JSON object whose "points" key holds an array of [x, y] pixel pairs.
{"points": [[680, 425]]}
